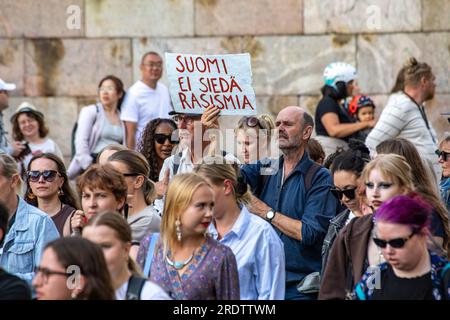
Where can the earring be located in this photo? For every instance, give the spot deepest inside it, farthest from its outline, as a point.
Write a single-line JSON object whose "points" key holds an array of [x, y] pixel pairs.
{"points": [[178, 228], [74, 295], [60, 192], [30, 195]]}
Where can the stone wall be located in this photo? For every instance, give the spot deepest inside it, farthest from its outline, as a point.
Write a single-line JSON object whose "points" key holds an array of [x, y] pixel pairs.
{"points": [[56, 51]]}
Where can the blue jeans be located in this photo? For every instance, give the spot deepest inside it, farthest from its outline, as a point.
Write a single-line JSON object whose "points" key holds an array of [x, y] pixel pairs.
{"points": [[293, 294]]}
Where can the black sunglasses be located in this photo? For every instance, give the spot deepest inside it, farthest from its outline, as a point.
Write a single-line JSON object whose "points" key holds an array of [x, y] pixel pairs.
{"points": [[442, 154], [394, 243], [348, 193], [48, 175], [161, 138]]}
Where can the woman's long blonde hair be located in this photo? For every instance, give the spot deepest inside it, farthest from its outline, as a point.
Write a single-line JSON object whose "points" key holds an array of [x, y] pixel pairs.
{"points": [[179, 196]]}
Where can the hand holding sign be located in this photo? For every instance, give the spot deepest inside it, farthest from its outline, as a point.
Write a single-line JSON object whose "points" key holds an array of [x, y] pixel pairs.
{"points": [[196, 82], [210, 118]]}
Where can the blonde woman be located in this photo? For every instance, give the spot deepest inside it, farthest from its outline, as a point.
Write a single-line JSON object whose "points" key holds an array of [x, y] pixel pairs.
{"points": [[186, 262], [258, 249], [253, 137]]}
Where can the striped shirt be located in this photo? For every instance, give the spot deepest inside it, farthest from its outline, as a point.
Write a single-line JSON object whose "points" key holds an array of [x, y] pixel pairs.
{"points": [[401, 118]]}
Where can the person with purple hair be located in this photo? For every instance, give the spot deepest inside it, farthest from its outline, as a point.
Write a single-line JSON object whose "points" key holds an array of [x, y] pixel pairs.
{"points": [[411, 271]]}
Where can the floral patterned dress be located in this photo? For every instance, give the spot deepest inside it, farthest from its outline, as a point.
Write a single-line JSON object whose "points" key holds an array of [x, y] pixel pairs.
{"points": [[211, 275]]}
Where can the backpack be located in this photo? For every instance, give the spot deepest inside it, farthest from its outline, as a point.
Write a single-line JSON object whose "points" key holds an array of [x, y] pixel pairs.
{"points": [[135, 286], [74, 134], [177, 158]]}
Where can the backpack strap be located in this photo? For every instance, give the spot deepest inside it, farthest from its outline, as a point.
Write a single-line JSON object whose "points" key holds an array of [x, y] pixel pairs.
{"points": [[312, 170], [135, 286], [150, 253]]}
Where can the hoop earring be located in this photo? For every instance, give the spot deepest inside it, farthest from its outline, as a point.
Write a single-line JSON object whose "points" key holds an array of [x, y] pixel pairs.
{"points": [[30, 195], [178, 228]]}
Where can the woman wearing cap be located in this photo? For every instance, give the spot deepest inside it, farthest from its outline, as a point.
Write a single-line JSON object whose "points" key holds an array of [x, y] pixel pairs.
{"points": [[29, 127], [334, 126], [253, 137], [99, 125]]}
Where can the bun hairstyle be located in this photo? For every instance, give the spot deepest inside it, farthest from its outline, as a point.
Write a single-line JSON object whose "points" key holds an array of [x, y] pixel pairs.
{"points": [[216, 170], [138, 165], [414, 71], [353, 159]]}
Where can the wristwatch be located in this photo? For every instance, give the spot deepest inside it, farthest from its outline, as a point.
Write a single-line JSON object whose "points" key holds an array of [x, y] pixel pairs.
{"points": [[270, 215]]}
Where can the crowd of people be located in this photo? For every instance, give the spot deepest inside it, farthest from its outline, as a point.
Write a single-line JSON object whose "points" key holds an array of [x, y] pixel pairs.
{"points": [[153, 207]]}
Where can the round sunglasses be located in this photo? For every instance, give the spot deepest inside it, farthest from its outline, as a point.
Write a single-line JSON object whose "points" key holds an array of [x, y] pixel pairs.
{"points": [[48, 175]]}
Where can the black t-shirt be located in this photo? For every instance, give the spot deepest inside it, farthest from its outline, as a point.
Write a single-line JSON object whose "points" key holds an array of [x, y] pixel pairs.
{"points": [[327, 105], [395, 288], [13, 288]]}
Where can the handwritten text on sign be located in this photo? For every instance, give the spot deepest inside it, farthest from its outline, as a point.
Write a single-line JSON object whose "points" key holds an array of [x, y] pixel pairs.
{"points": [[221, 80]]}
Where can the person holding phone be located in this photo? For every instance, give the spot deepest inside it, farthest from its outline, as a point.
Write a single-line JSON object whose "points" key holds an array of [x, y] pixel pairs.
{"points": [[102, 188]]}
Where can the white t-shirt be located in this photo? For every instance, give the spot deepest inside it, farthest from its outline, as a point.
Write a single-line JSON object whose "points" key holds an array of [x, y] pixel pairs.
{"points": [[48, 146], [150, 291], [143, 104]]}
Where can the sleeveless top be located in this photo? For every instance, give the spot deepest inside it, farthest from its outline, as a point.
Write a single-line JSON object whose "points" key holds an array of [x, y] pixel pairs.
{"points": [[60, 218]]}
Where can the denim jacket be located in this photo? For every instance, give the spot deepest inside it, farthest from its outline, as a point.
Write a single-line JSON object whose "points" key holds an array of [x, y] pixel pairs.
{"points": [[445, 192], [25, 241]]}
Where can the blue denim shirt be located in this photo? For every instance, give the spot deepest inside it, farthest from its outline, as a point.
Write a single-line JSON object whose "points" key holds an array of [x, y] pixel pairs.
{"points": [[25, 241], [314, 209]]}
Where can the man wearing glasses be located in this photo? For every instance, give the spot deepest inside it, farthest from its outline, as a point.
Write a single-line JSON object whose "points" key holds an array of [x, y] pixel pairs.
{"points": [[145, 100], [16, 147]]}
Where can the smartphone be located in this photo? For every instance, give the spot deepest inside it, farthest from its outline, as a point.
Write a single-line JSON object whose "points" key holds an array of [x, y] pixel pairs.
{"points": [[25, 151]]}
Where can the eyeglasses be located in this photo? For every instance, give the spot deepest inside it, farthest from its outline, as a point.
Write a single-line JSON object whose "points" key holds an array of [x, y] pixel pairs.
{"points": [[442, 154], [131, 174], [107, 89], [46, 273], [161, 138], [187, 119], [394, 243], [348, 193], [48, 175], [156, 65]]}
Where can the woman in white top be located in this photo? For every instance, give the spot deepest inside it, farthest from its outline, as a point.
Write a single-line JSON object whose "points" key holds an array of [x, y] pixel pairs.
{"points": [[113, 234], [29, 128], [141, 215], [99, 125]]}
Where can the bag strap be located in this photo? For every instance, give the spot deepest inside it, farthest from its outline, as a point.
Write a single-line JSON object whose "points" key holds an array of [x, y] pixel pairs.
{"points": [[313, 168], [150, 253], [135, 286], [176, 162]]}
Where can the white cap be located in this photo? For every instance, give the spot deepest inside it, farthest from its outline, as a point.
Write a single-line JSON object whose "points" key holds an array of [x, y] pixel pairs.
{"points": [[7, 86]]}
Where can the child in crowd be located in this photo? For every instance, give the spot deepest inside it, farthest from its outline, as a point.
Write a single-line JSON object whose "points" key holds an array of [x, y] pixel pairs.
{"points": [[362, 108]]}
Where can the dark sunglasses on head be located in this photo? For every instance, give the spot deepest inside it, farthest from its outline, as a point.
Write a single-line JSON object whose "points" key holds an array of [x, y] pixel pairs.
{"points": [[394, 243], [161, 138], [48, 175], [348, 193], [252, 122], [442, 154]]}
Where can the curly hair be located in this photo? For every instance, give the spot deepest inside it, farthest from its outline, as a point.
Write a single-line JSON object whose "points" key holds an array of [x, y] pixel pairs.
{"points": [[147, 145], [17, 133]]}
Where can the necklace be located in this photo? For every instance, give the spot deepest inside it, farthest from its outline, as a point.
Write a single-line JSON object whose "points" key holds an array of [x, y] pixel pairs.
{"points": [[180, 265]]}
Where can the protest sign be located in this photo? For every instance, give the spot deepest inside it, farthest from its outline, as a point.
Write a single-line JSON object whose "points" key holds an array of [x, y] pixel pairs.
{"points": [[197, 81]]}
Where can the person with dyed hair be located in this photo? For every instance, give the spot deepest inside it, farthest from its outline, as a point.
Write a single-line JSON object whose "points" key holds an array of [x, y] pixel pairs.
{"points": [[411, 271]]}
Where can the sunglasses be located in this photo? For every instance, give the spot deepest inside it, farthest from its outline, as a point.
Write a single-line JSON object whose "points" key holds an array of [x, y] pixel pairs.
{"points": [[252, 122], [442, 154], [348, 193], [394, 243], [161, 138], [48, 175]]}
